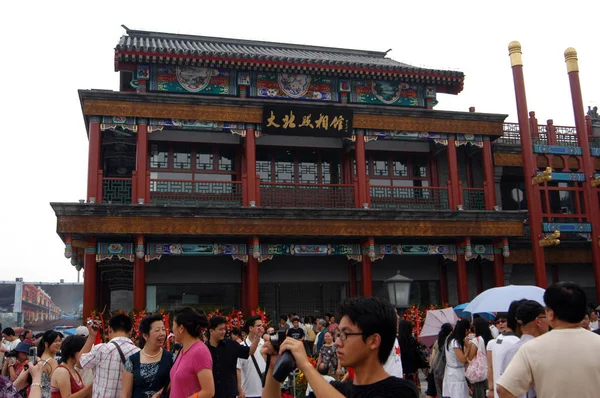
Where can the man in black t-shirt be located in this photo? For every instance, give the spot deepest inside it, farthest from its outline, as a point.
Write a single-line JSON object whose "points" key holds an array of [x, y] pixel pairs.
{"points": [[296, 332], [225, 353], [367, 332]]}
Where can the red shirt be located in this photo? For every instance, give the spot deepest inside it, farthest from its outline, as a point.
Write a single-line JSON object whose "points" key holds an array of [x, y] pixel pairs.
{"points": [[76, 385]]}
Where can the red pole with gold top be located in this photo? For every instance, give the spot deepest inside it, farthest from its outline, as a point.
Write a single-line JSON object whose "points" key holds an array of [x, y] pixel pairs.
{"points": [[531, 191], [590, 192]]}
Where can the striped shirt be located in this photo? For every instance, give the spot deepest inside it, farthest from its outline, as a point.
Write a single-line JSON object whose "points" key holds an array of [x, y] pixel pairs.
{"points": [[105, 360]]}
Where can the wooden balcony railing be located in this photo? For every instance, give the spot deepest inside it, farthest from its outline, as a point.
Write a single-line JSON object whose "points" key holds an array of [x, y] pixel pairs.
{"points": [[409, 198], [283, 194], [196, 193], [473, 198], [116, 190]]}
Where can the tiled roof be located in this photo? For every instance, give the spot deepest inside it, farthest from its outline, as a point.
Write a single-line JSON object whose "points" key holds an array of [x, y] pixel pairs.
{"points": [[143, 46]]}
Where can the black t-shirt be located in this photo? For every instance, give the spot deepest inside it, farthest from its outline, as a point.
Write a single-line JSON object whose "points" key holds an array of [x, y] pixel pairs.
{"points": [[392, 387], [295, 333], [225, 356]]}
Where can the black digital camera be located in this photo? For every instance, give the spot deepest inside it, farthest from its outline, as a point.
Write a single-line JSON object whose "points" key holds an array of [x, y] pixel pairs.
{"points": [[285, 363]]}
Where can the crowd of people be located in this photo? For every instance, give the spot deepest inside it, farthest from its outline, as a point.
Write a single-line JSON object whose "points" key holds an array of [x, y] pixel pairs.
{"points": [[371, 352], [530, 351]]}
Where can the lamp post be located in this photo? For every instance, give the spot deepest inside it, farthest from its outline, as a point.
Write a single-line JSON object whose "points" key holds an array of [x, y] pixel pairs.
{"points": [[398, 289]]}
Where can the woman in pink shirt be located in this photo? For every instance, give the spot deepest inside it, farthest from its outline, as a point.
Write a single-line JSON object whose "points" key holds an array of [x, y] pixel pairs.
{"points": [[191, 374]]}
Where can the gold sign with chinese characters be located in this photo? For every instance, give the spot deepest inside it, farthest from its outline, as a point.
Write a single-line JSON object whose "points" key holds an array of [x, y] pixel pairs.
{"points": [[307, 121]]}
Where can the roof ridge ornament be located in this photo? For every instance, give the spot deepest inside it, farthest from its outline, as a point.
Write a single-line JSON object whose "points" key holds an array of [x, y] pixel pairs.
{"points": [[126, 28]]}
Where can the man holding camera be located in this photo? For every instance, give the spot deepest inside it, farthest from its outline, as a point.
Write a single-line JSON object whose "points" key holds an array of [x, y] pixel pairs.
{"points": [[107, 360], [250, 370], [367, 333], [9, 342]]}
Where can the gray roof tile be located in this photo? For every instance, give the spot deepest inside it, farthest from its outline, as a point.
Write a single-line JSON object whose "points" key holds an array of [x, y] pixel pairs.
{"points": [[136, 41]]}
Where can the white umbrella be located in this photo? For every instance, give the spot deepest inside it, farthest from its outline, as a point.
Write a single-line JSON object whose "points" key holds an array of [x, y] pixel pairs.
{"points": [[498, 299], [433, 323]]}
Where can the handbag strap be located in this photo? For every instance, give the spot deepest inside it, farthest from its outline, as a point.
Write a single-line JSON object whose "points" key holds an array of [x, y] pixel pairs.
{"points": [[120, 352]]}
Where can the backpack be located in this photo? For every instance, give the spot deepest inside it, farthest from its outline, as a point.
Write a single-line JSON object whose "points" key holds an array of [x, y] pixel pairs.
{"points": [[439, 362], [310, 333]]}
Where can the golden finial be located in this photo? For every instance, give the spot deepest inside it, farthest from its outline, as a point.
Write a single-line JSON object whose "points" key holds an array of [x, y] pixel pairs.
{"points": [[571, 60], [514, 51]]}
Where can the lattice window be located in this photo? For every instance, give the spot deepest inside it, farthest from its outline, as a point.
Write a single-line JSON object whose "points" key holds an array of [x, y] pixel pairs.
{"points": [[226, 160], [204, 158], [308, 168], [159, 156], [401, 167], [116, 191], [284, 167]]}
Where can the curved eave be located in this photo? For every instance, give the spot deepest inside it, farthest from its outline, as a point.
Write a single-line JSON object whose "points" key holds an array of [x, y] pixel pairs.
{"points": [[447, 81]]}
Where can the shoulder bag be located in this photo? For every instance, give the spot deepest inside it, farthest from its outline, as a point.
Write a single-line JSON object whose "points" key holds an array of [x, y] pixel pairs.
{"points": [[477, 369]]}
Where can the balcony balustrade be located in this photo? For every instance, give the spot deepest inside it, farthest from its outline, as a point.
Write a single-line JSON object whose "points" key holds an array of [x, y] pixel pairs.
{"points": [[409, 198], [473, 198], [196, 193], [281, 194], [117, 190]]}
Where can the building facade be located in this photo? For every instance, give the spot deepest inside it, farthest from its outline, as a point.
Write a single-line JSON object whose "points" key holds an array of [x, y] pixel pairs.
{"points": [[233, 173]]}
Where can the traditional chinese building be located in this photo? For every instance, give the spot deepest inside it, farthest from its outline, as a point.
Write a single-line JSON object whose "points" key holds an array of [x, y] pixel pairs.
{"points": [[234, 173]]}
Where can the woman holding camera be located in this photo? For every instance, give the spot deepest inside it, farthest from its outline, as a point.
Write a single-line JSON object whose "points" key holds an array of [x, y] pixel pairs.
{"points": [[146, 373], [66, 381], [47, 348]]}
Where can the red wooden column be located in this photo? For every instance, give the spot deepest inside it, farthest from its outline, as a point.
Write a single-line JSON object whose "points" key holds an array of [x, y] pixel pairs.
{"points": [[141, 162], [361, 169], [139, 275], [454, 194], [590, 193], [498, 268], [529, 166], [93, 159], [488, 172], [252, 276], [251, 168], [352, 288], [366, 280], [462, 284], [90, 278], [443, 282]]}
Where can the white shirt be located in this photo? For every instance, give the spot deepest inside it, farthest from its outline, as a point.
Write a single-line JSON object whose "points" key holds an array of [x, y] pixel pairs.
{"points": [[499, 347], [594, 325], [393, 365], [9, 346], [251, 382]]}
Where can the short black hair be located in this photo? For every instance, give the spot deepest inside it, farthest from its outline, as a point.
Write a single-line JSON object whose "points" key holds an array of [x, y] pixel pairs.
{"points": [[567, 300], [372, 315], [511, 320], [191, 320], [283, 318], [235, 332], [120, 323], [215, 321], [48, 337], [71, 346], [502, 315], [251, 322], [145, 325], [528, 311], [9, 331]]}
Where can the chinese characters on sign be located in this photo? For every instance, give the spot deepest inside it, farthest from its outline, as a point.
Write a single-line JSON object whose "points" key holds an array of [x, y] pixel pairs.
{"points": [[307, 121]]}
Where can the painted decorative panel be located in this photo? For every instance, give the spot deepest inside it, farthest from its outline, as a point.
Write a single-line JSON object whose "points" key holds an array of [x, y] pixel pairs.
{"points": [[294, 85], [595, 152], [310, 250], [190, 79], [567, 227], [190, 124], [557, 150], [195, 249], [108, 251], [386, 92], [566, 176]]}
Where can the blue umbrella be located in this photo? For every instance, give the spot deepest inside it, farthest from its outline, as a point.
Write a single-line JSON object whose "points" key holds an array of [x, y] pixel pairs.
{"points": [[68, 332], [498, 299], [460, 312]]}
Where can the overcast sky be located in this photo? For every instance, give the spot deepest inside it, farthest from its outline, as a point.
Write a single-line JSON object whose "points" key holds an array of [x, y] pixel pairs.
{"points": [[50, 51]]}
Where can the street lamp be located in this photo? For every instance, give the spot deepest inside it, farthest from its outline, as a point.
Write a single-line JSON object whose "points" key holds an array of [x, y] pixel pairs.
{"points": [[398, 288]]}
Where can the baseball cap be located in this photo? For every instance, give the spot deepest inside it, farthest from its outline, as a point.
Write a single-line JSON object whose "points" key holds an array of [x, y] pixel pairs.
{"points": [[23, 347], [82, 331]]}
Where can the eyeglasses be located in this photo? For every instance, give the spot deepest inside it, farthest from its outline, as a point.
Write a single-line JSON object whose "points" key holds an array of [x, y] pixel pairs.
{"points": [[342, 336]]}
